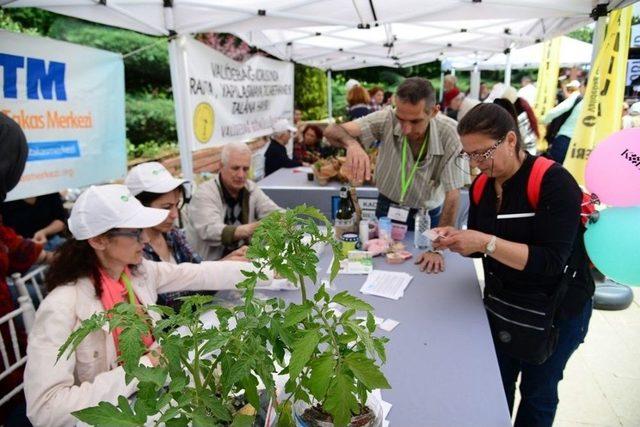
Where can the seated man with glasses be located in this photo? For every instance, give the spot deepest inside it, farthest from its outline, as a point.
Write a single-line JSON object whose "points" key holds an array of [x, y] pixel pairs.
{"points": [[416, 165], [153, 185], [225, 211]]}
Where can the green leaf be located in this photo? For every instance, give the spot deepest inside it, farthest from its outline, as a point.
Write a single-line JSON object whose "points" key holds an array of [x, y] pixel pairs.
{"points": [[296, 313], [321, 374], [285, 414], [156, 375], [345, 299], [365, 370], [216, 407], [178, 422], [301, 352], [201, 419], [341, 402], [105, 414], [371, 322], [169, 414], [365, 337], [241, 420], [250, 384], [378, 344]]}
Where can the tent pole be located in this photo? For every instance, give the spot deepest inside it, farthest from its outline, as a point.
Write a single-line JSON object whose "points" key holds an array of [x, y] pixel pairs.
{"points": [[177, 64], [507, 68], [329, 95], [598, 37], [474, 89]]}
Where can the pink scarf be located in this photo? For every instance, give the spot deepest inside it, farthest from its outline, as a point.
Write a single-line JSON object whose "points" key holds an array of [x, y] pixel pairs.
{"points": [[114, 292]]}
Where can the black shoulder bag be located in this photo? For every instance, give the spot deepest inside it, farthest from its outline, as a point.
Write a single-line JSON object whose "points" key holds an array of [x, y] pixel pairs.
{"points": [[522, 325]]}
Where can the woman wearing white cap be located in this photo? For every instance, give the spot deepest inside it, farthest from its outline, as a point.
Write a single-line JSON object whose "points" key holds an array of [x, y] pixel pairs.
{"points": [[101, 266], [154, 186]]}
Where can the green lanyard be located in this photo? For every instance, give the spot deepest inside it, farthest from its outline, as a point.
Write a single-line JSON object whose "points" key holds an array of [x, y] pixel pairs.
{"points": [[127, 284], [406, 183]]}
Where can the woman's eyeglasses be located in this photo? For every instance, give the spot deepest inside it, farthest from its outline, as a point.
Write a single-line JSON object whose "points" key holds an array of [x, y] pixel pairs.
{"points": [[481, 157], [134, 234]]}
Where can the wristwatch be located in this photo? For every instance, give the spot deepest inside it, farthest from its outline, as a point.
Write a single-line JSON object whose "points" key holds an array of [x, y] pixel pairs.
{"points": [[436, 251], [491, 246]]}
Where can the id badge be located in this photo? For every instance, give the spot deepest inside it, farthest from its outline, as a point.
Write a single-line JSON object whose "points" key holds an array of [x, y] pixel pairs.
{"points": [[398, 213]]}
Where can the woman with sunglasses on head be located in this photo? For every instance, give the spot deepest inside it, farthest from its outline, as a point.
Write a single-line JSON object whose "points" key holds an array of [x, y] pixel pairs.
{"points": [[538, 286], [99, 267], [155, 187]]}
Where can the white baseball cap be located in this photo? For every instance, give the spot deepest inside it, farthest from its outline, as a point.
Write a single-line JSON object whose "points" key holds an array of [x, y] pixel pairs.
{"points": [[351, 83], [101, 208], [152, 177], [282, 125]]}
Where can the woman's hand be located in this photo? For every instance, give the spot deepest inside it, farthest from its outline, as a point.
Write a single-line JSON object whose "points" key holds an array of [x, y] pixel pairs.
{"points": [[40, 237], [239, 254], [464, 242]]}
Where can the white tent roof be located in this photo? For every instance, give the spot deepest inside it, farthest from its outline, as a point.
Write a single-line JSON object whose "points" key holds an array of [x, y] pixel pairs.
{"points": [[572, 52], [340, 34]]}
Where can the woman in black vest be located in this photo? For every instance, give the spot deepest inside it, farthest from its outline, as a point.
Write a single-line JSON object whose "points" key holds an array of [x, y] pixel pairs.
{"points": [[538, 286]]}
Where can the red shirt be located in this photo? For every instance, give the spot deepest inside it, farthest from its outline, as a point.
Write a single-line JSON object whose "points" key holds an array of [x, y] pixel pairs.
{"points": [[16, 256]]}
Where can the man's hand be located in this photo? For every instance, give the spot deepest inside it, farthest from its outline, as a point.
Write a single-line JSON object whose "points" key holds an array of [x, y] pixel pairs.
{"points": [[431, 262], [239, 254], [40, 237], [245, 231], [358, 162]]}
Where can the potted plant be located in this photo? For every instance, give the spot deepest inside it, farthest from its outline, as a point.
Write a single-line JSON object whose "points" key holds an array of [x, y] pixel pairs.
{"points": [[332, 367], [327, 350], [205, 375]]}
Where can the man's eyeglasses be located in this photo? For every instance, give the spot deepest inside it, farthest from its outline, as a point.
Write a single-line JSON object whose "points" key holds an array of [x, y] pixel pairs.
{"points": [[134, 234], [481, 157]]}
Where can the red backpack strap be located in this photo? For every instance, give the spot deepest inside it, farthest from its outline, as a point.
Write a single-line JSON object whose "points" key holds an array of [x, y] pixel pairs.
{"points": [[478, 188], [534, 185]]}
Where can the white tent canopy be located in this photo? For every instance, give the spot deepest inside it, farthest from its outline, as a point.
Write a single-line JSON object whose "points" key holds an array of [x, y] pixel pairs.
{"points": [[572, 52], [338, 34]]}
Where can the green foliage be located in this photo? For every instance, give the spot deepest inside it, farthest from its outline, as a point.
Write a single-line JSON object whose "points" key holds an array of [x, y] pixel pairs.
{"points": [[584, 34], [150, 117], [207, 367], [333, 352], [27, 20], [147, 70], [310, 95]]}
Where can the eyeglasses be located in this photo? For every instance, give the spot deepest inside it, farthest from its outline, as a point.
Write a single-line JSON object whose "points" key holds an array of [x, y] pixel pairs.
{"points": [[134, 234], [481, 157]]}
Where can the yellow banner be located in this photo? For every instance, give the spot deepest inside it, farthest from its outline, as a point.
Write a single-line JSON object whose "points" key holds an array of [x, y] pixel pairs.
{"points": [[601, 113], [547, 85]]}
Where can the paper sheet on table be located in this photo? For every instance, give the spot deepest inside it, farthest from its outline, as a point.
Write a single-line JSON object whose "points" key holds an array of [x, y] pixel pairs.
{"points": [[386, 284], [389, 325], [303, 169], [279, 285]]}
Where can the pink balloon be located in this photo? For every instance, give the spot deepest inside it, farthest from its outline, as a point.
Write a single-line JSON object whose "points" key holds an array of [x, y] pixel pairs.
{"points": [[613, 169]]}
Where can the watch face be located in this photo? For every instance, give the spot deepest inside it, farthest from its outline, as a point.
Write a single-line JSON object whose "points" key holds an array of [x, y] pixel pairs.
{"points": [[203, 122]]}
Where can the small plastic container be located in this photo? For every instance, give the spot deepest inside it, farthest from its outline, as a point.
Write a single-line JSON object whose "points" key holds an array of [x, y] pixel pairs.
{"points": [[384, 228], [349, 242], [363, 231]]}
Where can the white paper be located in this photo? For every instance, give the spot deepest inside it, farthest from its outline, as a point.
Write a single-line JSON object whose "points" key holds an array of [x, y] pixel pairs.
{"points": [[386, 284], [431, 235], [279, 285], [389, 325]]}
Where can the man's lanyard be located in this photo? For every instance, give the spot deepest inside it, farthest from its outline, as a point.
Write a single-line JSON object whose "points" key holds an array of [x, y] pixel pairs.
{"points": [[406, 183], [127, 284]]}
